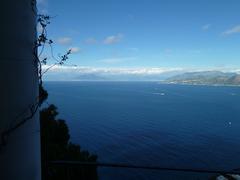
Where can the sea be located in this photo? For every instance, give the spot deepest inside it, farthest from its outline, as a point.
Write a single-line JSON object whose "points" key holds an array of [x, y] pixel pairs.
{"points": [[152, 124]]}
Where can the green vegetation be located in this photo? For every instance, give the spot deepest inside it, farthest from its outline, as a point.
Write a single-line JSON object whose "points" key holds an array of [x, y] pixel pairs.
{"points": [[56, 145]]}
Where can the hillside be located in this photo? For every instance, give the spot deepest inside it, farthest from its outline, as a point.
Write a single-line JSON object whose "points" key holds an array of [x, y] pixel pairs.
{"points": [[205, 78]]}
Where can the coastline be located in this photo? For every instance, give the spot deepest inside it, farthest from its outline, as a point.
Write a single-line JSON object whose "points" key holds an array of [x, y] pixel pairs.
{"points": [[195, 84]]}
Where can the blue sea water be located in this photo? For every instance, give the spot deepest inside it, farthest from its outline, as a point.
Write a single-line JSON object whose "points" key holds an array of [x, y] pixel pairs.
{"points": [[147, 123]]}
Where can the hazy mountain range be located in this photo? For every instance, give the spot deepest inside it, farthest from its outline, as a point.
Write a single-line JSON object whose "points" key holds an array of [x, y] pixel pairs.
{"points": [[164, 75], [205, 78]]}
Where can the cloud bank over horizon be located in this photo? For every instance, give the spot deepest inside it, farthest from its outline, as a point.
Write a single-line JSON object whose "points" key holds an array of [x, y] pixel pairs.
{"points": [[82, 73]]}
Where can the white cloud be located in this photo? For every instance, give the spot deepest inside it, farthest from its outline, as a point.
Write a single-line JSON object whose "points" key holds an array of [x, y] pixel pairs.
{"points": [[64, 40], [75, 50], [84, 69], [113, 39], [143, 71], [233, 30], [96, 73], [206, 27], [116, 60], [91, 41]]}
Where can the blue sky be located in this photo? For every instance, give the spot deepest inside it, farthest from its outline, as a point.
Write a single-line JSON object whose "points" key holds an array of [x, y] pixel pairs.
{"points": [[186, 34]]}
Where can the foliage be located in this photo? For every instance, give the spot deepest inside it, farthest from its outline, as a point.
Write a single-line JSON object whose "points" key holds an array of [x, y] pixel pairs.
{"points": [[42, 40], [55, 137], [55, 145]]}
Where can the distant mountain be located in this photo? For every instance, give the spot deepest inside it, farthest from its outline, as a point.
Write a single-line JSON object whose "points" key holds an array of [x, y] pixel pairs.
{"points": [[109, 74], [205, 78]]}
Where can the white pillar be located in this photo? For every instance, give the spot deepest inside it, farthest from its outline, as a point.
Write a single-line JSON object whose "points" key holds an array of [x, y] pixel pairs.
{"points": [[20, 157]]}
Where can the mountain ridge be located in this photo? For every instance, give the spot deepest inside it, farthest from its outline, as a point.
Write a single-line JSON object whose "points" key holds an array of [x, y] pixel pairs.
{"points": [[206, 78]]}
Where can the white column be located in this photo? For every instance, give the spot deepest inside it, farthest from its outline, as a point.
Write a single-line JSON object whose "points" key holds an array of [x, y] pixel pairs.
{"points": [[20, 157]]}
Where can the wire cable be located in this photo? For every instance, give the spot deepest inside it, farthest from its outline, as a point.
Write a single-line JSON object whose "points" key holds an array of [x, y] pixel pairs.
{"points": [[159, 168]]}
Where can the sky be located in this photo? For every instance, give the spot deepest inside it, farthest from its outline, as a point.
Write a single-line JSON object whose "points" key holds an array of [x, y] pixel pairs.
{"points": [[146, 34]]}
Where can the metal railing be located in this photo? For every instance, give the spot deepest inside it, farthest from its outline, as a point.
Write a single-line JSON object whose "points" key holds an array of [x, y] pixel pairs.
{"points": [[85, 170]]}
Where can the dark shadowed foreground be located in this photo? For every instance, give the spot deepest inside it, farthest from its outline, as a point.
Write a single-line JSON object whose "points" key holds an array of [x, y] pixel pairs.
{"points": [[55, 145]]}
